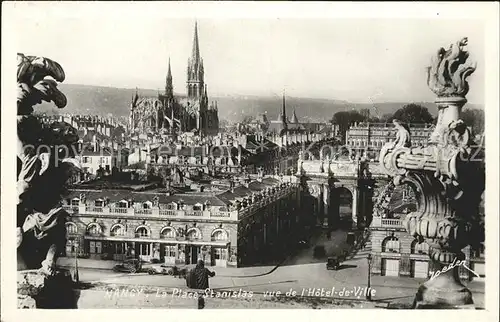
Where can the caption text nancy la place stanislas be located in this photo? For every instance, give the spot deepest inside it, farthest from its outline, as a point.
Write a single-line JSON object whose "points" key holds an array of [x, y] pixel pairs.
{"points": [[353, 291]]}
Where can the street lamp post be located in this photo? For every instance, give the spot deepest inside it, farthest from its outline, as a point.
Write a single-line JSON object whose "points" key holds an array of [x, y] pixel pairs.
{"points": [[369, 291], [76, 276]]}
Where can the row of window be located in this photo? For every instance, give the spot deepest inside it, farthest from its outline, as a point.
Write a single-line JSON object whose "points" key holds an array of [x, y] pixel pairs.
{"points": [[142, 231], [147, 205], [144, 249], [364, 143], [102, 160], [391, 245]]}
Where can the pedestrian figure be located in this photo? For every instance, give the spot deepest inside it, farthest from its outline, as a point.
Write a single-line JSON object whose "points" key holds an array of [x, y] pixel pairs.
{"points": [[198, 279]]}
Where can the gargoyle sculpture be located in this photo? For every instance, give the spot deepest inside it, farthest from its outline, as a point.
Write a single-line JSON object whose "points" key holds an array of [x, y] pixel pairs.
{"points": [[45, 161]]}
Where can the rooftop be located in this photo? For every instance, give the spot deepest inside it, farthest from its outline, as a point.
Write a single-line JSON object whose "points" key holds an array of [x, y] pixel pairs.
{"points": [[118, 191]]}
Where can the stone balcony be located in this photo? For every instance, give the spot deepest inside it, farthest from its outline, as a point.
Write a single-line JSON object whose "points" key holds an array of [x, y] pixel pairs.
{"points": [[379, 222], [153, 212]]}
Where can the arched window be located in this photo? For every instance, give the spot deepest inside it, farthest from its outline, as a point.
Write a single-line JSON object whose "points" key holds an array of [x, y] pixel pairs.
{"points": [[167, 232], [219, 235], [142, 232], [122, 204], [419, 248], [390, 244], [94, 229], [193, 233], [172, 206], [146, 205], [117, 230], [71, 228], [99, 203], [75, 202]]}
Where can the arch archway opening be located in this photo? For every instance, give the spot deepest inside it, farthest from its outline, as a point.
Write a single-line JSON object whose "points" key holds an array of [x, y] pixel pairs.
{"points": [[342, 204]]}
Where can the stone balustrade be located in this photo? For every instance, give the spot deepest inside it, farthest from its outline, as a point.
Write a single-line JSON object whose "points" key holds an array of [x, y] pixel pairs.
{"points": [[387, 223], [153, 212]]}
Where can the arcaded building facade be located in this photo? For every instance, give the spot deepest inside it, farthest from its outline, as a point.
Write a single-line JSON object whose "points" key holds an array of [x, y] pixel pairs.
{"points": [[230, 228], [371, 137]]}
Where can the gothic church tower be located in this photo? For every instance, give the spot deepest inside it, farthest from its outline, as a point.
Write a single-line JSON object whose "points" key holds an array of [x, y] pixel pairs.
{"points": [[195, 72]]}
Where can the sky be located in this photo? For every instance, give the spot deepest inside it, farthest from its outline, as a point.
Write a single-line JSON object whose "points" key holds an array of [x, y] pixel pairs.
{"points": [[354, 59]]}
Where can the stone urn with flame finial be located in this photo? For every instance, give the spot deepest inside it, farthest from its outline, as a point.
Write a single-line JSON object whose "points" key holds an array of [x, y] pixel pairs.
{"points": [[448, 178]]}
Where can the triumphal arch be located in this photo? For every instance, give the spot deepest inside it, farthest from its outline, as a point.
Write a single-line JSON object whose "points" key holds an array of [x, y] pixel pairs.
{"points": [[334, 188]]}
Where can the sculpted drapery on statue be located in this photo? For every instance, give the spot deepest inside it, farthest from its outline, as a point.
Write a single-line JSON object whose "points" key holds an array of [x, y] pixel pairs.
{"points": [[448, 177], [45, 159]]}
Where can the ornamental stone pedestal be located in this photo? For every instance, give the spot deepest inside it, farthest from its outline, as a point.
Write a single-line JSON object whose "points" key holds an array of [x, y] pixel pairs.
{"points": [[448, 178], [37, 290]]}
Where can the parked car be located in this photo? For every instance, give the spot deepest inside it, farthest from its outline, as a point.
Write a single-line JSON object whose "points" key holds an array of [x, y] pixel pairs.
{"points": [[160, 269], [168, 270], [128, 266], [332, 263]]}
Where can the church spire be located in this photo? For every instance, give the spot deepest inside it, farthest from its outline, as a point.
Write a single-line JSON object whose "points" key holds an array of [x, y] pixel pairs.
{"points": [[195, 55], [195, 71], [283, 110], [169, 87], [294, 118], [136, 97]]}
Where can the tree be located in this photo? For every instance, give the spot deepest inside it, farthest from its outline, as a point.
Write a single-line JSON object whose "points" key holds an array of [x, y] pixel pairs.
{"points": [[344, 119], [413, 113], [365, 112], [386, 118], [475, 119]]}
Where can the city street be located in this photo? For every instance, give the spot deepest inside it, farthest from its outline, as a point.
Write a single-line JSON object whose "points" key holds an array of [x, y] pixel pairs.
{"points": [[302, 273]]}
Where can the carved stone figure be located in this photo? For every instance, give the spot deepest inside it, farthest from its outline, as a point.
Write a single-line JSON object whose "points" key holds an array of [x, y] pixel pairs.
{"points": [[448, 178], [402, 135], [42, 173], [156, 201]]}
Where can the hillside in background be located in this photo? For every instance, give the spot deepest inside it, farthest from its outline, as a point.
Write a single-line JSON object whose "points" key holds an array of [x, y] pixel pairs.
{"points": [[96, 100]]}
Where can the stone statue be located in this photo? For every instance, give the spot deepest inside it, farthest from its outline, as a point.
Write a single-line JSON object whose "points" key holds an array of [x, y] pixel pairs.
{"points": [[402, 135], [403, 139], [45, 160]]}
